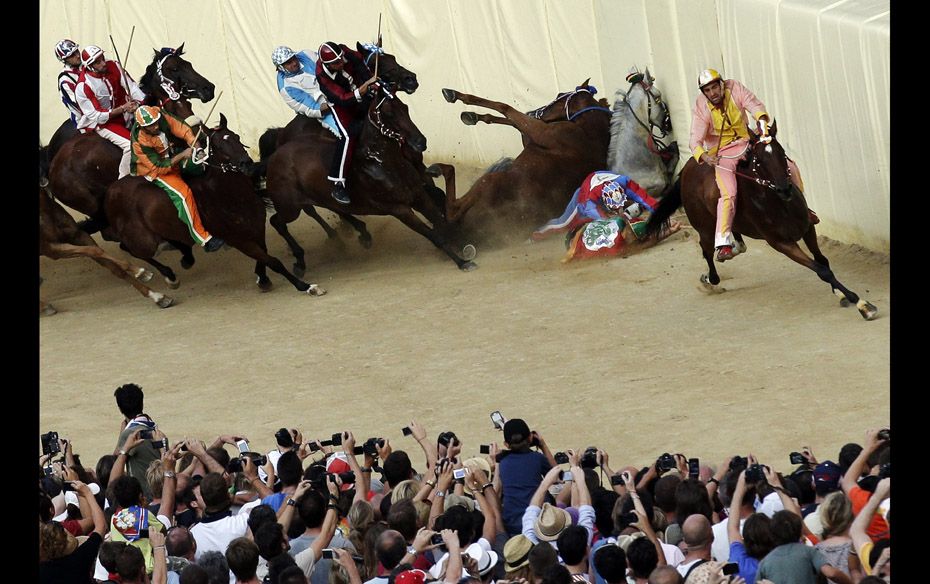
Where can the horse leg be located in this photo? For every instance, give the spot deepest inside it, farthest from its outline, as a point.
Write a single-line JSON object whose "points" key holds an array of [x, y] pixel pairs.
{"points": [[261, 274], [810, 240], [709, 280], [279, 221], [408, 218], [118, 267], [740, 246], [793, 251], [455, 209], [364, 237], [330, 232], [187, 254], [531, 127], [471, 118], [167, 273], [258, 252]]}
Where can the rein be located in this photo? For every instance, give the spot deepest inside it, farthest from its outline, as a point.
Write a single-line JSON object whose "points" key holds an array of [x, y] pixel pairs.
{"points": [[754, 163], [538, 113], [654, 140]]}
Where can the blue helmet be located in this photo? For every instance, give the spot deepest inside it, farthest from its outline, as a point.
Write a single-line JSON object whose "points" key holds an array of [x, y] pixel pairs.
{"points": [[280, 56]]}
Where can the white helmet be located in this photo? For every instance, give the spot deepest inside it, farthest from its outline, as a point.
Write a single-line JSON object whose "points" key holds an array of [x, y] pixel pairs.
{"points": [[281, 55], [65, 48], [708, 76], [90, 54]]}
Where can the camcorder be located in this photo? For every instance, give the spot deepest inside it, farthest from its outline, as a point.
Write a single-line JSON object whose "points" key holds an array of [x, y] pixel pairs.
{"points": [[50, 444], [236, 464], [372, 445], [284, 437], [666, 462], [448, 439], [738, 463], [588, 458], [754, 473]]}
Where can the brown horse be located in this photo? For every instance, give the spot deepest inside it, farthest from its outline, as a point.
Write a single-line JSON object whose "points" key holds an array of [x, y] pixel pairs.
{"points": [[770, 207], [381, 179], [142, 216], [534, 186], [60, 237]]}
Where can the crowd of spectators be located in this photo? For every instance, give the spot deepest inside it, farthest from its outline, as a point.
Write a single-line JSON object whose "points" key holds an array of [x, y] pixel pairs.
{"points": [[308, 511]]}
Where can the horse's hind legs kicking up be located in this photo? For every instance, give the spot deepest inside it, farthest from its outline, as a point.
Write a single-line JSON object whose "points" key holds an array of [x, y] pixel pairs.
{"points": [[530, 127], [823, 271], [471, 118]]}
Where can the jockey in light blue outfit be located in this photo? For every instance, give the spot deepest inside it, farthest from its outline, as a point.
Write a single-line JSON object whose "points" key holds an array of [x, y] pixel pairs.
{"points": [[298, 86]]}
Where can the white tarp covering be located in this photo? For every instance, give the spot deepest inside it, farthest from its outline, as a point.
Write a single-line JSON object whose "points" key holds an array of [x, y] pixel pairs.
{"points": [[821, 67]]}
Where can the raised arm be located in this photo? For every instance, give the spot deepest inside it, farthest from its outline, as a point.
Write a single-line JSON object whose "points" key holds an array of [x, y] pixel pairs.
{"points": [[170, 482], [643, 522], [543, 447], [361, 478], [159, 557], [736, 501], [196, 448], [858, 466], [329, 521], [251, 473], [860, 524], [122, 455], [418, 431], [475, 482]]}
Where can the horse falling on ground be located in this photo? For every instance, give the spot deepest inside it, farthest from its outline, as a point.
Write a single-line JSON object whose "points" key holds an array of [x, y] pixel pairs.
{"points": [[87, 164], [60, 237], [142, 216], [769, 207], [381, 179], [639, 114], [535, 186]]}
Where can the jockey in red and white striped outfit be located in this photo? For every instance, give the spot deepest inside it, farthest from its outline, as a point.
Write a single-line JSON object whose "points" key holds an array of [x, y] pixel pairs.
{"points": [[68, 52], [107, 96]]}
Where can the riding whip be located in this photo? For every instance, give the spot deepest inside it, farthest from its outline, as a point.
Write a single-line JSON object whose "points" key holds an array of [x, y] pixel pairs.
{"points": [[204, 122], [122, 77], [129, 46], [379, 45]]}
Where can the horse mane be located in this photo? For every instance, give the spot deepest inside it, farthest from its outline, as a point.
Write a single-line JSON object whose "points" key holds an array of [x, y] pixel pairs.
{"points": [[501, 165], [617, 122]]}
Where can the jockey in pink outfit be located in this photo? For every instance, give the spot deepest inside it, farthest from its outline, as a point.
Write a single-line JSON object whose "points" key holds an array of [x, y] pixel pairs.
{"points": [[720, 137]]}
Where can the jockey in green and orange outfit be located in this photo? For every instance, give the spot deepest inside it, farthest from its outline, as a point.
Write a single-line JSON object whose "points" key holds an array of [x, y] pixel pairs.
{"points": [[151, 159]]}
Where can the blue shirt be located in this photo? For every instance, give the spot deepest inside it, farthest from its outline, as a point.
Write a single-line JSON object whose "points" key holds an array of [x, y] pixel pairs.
{"points": [[748, 566], [275, 501], [521, 473]]}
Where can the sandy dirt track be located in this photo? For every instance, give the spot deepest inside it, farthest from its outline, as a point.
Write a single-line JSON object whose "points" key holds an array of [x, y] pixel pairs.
{"points": [[625, 354]]}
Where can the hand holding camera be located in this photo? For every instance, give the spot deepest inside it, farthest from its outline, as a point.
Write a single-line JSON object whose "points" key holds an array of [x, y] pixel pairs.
{"points": [[446, 468], [451, 539], [348, 443], [629, 481], [664, 463], [417, 430], [422, 541], [135, 439], [884, 434]]}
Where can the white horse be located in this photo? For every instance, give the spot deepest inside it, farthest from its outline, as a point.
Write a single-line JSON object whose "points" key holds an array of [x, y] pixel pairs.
{"points": [[639, 121]]}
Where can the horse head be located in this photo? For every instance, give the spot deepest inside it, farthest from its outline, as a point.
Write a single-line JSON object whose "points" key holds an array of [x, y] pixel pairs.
{"points": [[768, 164], [391, 118], [170, 78], [389, 70], [570, 104], [645, 100], [226, 149]]}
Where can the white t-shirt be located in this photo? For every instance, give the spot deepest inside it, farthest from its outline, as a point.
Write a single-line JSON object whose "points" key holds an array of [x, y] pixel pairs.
{"points": [[216, 535]]}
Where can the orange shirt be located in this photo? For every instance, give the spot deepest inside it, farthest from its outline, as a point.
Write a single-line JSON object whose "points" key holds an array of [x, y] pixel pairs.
{"points": [[878, 528]]}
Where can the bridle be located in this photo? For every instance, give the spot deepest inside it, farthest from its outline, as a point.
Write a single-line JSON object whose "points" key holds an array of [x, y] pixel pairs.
{"points": [[223, 167], [754, 169], [568, 95], [650, 98], [169, 84], [374, 117]]}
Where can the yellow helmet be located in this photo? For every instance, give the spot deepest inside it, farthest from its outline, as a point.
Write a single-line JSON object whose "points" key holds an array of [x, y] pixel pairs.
{"points": [[708, 76], [147, 115]]}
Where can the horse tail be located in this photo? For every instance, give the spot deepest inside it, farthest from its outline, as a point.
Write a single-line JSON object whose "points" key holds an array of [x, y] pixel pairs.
{"points": [[500, 165], [670, 201]]}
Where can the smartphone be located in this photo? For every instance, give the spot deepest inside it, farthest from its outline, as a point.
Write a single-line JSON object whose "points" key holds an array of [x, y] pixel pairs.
{"points": [[485, 449], [459, 473], [406, 431], [497, 419], [566, 476], [796, 458], [328, 554], [243, 446], [730, 569], [694, 468], [337, 439]]}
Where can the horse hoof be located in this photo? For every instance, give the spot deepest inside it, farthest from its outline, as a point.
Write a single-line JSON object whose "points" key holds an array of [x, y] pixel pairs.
{"points": [[173, 284], [164, 301], [449, 95], [143, 275], [706, 286], [468, 266], [264, 284], [469, 118], [434, 171], [186, 263], [844, 302], [315, 290], [365, 241], [49, 310], [299, 270], [469, 252], [867, 309]]}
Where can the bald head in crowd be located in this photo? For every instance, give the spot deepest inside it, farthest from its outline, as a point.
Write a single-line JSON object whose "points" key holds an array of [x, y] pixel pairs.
{"points": [[390, 549], [665, 575], [698, 536]]}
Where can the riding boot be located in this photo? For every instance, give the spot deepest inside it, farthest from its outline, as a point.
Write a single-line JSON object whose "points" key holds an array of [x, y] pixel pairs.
{"points": [[341, 194]]}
